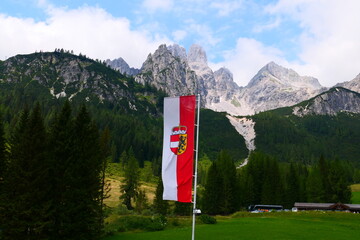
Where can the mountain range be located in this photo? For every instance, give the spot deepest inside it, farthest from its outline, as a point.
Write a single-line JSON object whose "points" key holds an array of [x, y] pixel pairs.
{"points": [[278, 112], [176, 72]]}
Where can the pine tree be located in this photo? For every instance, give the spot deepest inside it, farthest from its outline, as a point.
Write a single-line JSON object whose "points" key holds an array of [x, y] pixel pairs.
{"points": [[26, 183], [106, 158], [130, 187], [293, 187], [340, 189], [314, 187], [61, 152], [3, 160], [141, 201], [3, 168], [229, 191], [324, 175], [84, 182], [213, 191], [160, 206]]}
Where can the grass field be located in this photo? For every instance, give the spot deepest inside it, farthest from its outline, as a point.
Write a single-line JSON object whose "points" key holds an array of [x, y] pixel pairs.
{"points": [[301, 225], [355, 193]]}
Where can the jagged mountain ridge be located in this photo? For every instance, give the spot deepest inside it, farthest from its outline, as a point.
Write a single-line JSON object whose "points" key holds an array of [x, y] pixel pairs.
{"points": [[176, 72], [331, 102], [60, 74], [121, 65], [353, 85]]}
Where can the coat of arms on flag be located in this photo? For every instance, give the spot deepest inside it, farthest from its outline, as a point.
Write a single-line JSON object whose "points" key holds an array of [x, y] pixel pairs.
{"points": [[178, 140]]}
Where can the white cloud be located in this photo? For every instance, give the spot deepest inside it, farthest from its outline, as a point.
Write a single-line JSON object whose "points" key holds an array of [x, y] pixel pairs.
{"points": [[89, 30], [203, 34], [269, 26], [329, 42], [225, 8], [155, 5], [179, 35], [247, 59]]}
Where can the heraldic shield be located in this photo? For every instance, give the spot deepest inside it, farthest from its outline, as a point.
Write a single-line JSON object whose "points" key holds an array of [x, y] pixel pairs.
{"points": [[178, 140]]}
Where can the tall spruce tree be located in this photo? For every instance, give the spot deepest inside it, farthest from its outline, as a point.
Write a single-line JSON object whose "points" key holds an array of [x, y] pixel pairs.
{"points": [[3, 159], [229, 190], [292, 192], [213, 190], [340, 187], [84, 182], [26, 183], [61, 152], [130, 187], [3, 167]]}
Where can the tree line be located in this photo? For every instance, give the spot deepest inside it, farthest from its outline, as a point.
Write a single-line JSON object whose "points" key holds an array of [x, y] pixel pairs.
{"points": [[266, 181], [52, 178]]}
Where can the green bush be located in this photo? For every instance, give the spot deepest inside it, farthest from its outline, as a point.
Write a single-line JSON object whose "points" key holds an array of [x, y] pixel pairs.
{"points": [[131, 223], [207, 219], [157, 223]]}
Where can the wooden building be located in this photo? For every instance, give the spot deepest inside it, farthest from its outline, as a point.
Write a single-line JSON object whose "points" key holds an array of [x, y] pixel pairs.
{"points": [[328, 206]]}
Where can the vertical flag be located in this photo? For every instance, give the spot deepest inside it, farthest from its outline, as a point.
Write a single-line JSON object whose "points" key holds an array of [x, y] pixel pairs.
{"points": [[178, 148]]}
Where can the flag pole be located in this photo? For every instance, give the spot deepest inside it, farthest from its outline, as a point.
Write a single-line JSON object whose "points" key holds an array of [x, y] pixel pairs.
{"points": [[195, 211]]}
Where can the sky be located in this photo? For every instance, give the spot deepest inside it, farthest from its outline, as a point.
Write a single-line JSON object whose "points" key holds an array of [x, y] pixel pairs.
{"points": [[318, 38]]}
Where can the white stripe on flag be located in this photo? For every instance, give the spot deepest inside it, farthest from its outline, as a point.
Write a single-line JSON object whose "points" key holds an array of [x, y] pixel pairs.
{"points": [[169, 159]]}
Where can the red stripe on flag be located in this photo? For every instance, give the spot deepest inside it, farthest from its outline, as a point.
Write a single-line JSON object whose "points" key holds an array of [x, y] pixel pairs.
{"points": [[185, 160]]}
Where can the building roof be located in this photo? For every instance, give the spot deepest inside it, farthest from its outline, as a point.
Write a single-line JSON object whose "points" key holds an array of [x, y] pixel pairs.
{"points": [[327, 206]]}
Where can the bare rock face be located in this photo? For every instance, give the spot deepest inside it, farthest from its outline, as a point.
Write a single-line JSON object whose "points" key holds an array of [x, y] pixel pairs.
{"points": [[65, 75], [353, 85], [275, 86], [176, 72], [335, 100], [169, 71], [121, 65]]}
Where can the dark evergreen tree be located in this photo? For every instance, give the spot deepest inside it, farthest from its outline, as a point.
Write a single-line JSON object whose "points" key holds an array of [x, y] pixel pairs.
{"points": [[3, 159], [324, 175], [213, 201], [314, 187], [26, 183], [229, 191], [83, 218], [141, 201], [340, 187], [160, 206], [61, 157], [292, 193], [130, 187], [272, 187], [3, 167], [106, 158]]}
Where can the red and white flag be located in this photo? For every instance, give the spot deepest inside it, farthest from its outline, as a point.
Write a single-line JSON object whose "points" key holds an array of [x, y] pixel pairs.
{"points": [[178, 148]]}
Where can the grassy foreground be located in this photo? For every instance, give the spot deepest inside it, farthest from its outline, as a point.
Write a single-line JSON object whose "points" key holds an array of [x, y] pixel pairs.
{"points": [[245, 226]]}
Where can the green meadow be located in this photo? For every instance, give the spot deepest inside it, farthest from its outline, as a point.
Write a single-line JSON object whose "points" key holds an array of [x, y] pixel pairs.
{"points": [[261, 226], [355, 199]]}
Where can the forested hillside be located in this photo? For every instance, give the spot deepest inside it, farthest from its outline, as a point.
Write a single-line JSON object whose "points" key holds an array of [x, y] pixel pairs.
{"points": [[132, 111], [305, 139]]}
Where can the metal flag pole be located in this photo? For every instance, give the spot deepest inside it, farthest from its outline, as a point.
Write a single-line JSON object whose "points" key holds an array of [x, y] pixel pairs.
{"points": [[195, 211]]}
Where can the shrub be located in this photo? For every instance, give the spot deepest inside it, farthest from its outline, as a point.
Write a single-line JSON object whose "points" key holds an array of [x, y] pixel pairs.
{"points": [[207, 219]]}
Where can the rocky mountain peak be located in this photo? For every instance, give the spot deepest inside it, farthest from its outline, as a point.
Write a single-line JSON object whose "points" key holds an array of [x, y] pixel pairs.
{"points": [[281, 76], [331, 102], [167, 69], [224, 79], [178, 51], [353, 85], [121, 65], [197, 54]]}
